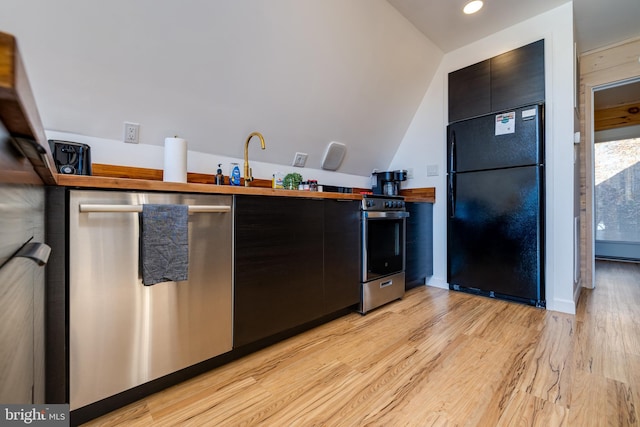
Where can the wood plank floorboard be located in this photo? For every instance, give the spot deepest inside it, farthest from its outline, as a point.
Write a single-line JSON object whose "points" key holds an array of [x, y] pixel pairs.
{"points": [[434, 358]]}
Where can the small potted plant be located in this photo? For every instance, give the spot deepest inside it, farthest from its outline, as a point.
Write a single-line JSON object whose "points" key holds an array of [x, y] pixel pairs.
{"points": [[291, 181]]}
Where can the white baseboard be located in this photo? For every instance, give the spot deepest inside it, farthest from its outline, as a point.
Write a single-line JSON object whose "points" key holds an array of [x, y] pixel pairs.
{"points": [[562, 305], [437, 282]]}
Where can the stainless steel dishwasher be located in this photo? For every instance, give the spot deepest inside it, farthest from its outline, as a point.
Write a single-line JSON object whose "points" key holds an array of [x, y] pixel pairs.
{"points": [[122, 333]]}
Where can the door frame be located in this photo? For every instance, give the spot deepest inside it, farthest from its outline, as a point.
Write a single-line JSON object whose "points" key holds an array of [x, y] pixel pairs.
{"points": [[598, 68]]}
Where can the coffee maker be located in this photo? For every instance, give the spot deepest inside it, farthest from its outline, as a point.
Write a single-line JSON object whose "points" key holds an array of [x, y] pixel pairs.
{"points": [[388, 183], [72, 158]]}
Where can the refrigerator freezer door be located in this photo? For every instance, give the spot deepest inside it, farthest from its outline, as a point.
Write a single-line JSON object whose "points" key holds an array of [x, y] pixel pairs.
{"points": [[508, 139], [495, 232]]}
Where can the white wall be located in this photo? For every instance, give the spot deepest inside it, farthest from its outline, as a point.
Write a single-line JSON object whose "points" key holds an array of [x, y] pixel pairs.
{"points": [[304, 73], [425, 143]]}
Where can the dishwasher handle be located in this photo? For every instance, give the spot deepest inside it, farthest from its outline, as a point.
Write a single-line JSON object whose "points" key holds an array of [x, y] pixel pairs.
{"points": [[86, 208]]}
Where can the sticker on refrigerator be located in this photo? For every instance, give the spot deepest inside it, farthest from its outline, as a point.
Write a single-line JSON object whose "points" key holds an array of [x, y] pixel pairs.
{"points": [[528, 114], [506, 123]]}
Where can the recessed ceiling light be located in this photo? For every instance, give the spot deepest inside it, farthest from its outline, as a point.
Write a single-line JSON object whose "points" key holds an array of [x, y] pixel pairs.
{"points": [[472, 7]]}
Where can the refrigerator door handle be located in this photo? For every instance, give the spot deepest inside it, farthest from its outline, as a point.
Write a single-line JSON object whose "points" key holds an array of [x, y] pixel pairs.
{"points": [[452, 153], [452, 195]]}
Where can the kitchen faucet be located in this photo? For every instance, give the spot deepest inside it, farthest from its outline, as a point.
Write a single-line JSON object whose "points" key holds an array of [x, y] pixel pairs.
{"points": [[248, 177]]}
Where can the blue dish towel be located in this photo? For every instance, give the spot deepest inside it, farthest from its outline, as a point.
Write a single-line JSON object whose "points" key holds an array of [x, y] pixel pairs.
{"points": [[164, 243]]}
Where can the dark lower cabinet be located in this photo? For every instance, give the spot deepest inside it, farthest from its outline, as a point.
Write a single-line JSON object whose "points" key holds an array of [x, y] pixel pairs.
{"points": [[341, 254], [278, 265], [296, 260], [419, 262]]}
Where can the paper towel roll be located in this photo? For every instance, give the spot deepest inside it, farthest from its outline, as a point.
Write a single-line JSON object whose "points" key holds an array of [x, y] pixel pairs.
{"points": [[175, 160]]}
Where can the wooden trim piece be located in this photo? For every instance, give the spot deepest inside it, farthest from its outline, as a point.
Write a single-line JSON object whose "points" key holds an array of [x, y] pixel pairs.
{"points": [[18, 112], [427, 194], [113, 171], [130, 172]]}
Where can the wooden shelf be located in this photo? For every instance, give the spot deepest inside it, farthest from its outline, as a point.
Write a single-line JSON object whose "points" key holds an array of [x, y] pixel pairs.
{"points": [[20, 119]]}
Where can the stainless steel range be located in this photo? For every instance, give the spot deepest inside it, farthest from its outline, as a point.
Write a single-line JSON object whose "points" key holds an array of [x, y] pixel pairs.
{"points": [[383, 224]]}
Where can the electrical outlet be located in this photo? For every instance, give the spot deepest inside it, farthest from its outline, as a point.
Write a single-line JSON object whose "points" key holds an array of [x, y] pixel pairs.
{"points": [[131, 133], [300, 160], [432, 170], [410, 173]]}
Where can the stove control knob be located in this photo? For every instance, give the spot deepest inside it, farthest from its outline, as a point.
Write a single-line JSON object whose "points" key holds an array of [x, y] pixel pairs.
{"points": [[389, 204], [370, 203]]}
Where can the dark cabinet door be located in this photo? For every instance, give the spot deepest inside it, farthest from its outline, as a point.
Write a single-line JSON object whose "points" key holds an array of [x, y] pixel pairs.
{"points": [[470, 91], [512, 79], [341, 254], [517, 77], [419, 263], [278, 265]]}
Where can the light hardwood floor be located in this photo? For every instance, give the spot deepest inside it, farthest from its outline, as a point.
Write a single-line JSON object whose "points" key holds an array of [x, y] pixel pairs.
{"points": [[436, 358]]}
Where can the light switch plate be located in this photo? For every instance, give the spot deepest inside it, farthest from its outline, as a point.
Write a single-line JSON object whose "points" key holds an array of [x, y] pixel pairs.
{"points": [[300, 160], [432, 170]]}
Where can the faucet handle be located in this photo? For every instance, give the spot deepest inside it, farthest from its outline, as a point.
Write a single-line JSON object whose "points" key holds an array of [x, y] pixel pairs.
{"points": [[248, 178]]}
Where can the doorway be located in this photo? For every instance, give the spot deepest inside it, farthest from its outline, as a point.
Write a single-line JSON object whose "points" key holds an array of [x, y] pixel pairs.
{"points": [[617, 171], [599, 69]]}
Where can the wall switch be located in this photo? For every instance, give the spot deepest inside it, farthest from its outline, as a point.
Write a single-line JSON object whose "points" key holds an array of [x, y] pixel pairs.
{"points": [[131, 133], [432, 170], [410, 173], [300, 160]]}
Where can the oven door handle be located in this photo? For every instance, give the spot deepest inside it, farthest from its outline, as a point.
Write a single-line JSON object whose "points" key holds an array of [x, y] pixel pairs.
{"points": [[385, 215]]}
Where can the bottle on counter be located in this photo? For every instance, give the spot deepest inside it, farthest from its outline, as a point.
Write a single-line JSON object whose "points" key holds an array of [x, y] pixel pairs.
{"points": [[219, 178], [278, 180], [234, 176]]}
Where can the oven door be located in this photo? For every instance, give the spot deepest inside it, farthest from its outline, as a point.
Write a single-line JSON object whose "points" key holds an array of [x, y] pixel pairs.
{"points": [[383, 243]]}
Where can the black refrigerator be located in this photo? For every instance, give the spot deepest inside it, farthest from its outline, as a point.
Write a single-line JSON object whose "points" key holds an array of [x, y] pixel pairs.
{"points": [[495, 205]]}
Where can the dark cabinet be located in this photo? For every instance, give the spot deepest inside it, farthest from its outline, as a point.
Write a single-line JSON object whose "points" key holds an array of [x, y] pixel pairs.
{"points": [[513, 79], [278, 265], [470, 91], [419, 261], [341, 254], [517, 77], [296, 260]]}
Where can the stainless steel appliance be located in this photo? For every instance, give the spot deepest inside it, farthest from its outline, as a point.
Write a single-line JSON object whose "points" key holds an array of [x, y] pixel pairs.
{"points": [[71, 158], [388, 183], [495, 205], [383, 233], [122, 333]]}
